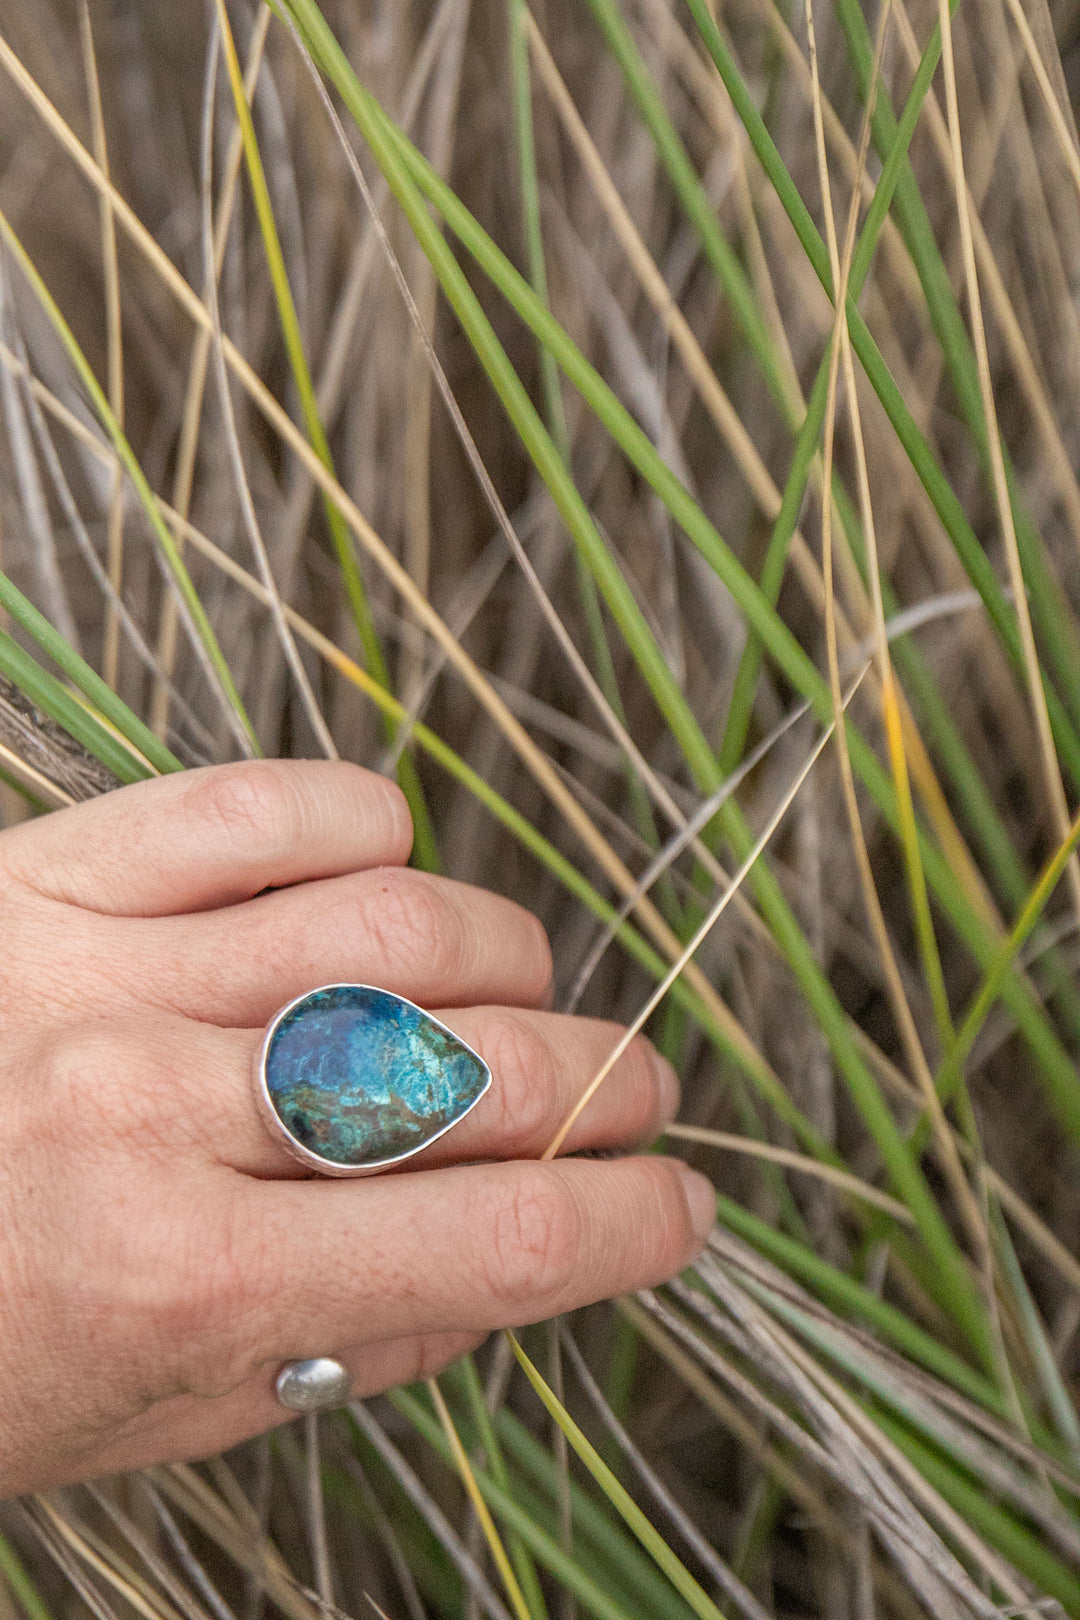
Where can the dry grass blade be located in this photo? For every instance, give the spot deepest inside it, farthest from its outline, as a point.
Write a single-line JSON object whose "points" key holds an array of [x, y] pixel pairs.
{"points": [[236, 454], [688, 952], [841, 353], [114, 328], [560, 421], [841, 1179], [474, 1577], [732, 1588], [1061, 117], [456, 655], [1051, 770], [188, 446]]}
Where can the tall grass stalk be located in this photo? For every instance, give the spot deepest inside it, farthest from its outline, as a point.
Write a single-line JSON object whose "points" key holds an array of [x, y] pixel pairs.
{"points": [[677, 294]]}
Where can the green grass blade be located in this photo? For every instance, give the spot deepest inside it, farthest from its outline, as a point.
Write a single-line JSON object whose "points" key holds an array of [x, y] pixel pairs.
{"points": [[216, 662], [1061, 638], [89, 683], [809, 433], [914, 442], [693, 198], [545, 1549], [1001, 1529], [651, 1539], [425, 852], [845, 1293], [14, 1572], [551, 394], [47, 693], [401, 163], [524, 1567], [602, 1544], [990, 990]]}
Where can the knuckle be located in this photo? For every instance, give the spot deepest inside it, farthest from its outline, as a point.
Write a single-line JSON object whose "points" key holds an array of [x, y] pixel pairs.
{"points": [[205, 1317], [647, 1107], [117, 1086], [543, 959], [536, 1243], [391, 806], [85, 1069], [414, 927], [526, 1079], [668, 1227], [251, 801]]}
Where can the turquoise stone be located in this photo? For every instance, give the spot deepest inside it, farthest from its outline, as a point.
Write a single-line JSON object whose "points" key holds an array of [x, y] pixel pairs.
{"points": [[359, 1076]]}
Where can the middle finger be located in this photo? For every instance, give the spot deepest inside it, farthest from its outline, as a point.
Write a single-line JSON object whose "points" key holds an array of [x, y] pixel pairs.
{"points": [[438, 942]]}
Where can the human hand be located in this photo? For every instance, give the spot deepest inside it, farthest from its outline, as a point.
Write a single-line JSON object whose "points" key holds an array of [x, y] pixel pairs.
{"points": [[159, 1256]]}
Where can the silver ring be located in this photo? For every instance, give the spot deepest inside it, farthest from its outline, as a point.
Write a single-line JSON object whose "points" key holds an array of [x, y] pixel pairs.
{"points": [[319, 1385], [351, 1079]]}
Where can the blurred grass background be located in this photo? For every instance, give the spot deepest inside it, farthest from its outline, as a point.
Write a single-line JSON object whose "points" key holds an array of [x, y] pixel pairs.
{"points": [[470, 416]]}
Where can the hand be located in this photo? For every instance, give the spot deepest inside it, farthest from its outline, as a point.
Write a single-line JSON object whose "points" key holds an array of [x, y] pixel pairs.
{"points": [[160, 1258]]}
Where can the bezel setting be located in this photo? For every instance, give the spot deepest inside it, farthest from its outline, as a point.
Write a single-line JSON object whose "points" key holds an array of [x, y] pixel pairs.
{"points": [[300, 1151]]}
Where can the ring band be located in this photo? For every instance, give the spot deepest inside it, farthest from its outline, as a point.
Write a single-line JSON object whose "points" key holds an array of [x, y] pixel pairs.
{"points": [[352, 1080], [319, 1385]]}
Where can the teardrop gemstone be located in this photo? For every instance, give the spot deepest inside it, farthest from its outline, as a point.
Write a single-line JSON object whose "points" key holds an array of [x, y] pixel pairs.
{"points": [[360, 1077]]}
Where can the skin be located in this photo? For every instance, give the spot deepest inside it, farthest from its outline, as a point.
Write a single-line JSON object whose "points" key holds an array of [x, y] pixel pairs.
{"points": [[160, 1255]]}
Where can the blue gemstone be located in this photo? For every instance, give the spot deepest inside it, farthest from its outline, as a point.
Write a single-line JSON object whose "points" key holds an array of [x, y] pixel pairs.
{"points": [[359, 1076]]}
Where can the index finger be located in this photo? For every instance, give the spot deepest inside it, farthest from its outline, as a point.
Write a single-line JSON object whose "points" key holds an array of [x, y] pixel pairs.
{"points": [[212, 837]]}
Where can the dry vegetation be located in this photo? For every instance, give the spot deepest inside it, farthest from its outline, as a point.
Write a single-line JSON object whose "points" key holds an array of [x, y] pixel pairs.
{"points": [[864, 1401]]}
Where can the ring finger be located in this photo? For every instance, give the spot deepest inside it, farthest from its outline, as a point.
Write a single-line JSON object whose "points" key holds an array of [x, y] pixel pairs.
{"points": [[541, 1063]]}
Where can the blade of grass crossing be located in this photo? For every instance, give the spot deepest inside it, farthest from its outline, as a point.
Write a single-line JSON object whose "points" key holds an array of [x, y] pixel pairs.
{"points": [[951, 1070], [1061, 1079], [1059, 1403], [1054, 1061], [696, 203], [1003, 1530], [809, 433], [1052, 782], [382, 136], [545, 1549], [860, 1304], [551, 392]]}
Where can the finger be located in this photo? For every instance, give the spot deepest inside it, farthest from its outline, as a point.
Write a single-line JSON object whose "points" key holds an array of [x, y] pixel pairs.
{"points": [[438, 942], [541, 1064], [192, 1426], [190, 1087], [211, 837], [456, 1249]]}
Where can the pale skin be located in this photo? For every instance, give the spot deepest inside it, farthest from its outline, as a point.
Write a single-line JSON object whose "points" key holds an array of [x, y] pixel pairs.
{"points": [[160, 1255]]}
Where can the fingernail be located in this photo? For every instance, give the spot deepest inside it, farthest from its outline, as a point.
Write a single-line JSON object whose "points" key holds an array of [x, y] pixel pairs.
{"points": [[667, 1088], [701, 1199]]}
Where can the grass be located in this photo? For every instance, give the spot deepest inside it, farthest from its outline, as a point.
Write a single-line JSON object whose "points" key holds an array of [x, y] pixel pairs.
{"points": [[680, 435]]}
